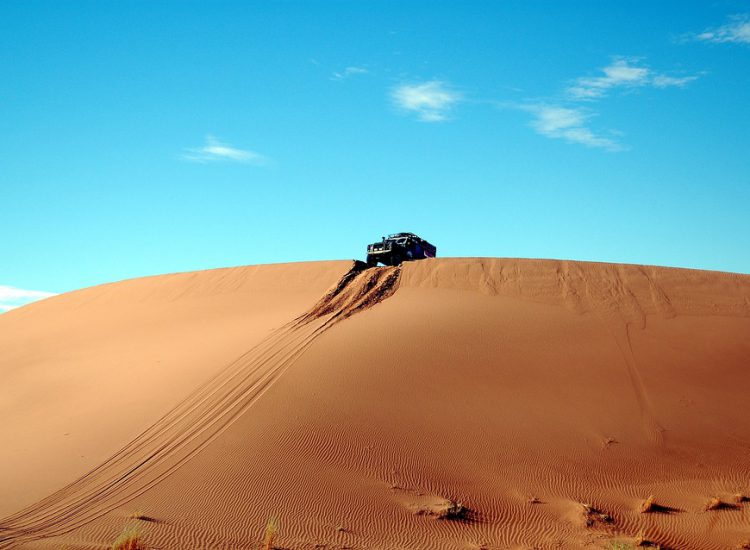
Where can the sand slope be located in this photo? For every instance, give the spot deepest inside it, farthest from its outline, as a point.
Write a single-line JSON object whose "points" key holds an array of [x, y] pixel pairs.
{"points": [[350, 404]]}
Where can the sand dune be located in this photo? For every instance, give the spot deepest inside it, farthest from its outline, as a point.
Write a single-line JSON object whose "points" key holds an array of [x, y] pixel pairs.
{"points": [[358, 405]]}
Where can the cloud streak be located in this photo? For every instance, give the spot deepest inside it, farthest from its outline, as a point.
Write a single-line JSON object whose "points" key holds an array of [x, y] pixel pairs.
{"points": [[12, 297], [736, 31], [569, 124], [430, 101], [622, 73], [214, 150], [565, 119], [348, 73], [664, 81]]}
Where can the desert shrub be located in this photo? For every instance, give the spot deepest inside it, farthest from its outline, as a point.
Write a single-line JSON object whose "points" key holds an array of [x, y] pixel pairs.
{"points": [[129, 539], [451, 510], [272, 530], [592, 515], [649, 505]]}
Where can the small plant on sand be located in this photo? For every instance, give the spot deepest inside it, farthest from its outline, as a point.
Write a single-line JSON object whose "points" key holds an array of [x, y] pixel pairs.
{"points": [[739, 498], [129, 539], [649, 505], [451, 510], [444, 509], [272, 530], [714, 503], [592, 515], [641, 541], [140, 516]]}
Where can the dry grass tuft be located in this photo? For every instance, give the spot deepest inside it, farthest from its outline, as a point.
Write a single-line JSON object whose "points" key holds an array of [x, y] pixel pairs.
{"points": [[593, 515], [272, 530], [717, 504], [639, 543], [739, 498], [642, 542], [445, 509], [743, 545], [140, 516], [649, 505], [129, 539], [451, 509]]}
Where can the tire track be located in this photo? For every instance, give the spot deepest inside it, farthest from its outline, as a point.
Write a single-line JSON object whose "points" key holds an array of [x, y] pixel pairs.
{"points": [[195, 422]]}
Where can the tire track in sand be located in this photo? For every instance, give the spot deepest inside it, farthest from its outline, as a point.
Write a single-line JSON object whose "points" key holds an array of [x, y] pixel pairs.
{"points": [[616, 305], [195, 422]]}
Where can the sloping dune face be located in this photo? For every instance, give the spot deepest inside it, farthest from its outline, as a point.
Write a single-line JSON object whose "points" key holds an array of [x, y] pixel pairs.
{"points": [[85, 372], [355, 405]]}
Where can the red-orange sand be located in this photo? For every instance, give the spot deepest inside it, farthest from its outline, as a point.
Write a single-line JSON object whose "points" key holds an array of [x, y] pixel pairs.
{"points": [[353, 405]]}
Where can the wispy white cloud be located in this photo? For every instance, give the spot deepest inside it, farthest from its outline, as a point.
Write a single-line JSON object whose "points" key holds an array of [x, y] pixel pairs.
{"points": [[214, 150], [737, 31], [620, 73], [623, 72], [12, 297], [569, 124], [664, 81], [348, 72], [431, 101]]}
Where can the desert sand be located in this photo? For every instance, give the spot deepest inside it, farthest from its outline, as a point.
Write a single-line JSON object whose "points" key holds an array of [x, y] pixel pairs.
{"points": [[358, 407]]}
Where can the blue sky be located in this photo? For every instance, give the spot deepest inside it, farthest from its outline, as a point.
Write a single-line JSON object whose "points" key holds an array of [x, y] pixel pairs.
{"points": [[151, 137]]}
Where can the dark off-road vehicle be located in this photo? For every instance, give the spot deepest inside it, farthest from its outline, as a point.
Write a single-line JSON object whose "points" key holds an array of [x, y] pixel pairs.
{"points": [[400, 247]]}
